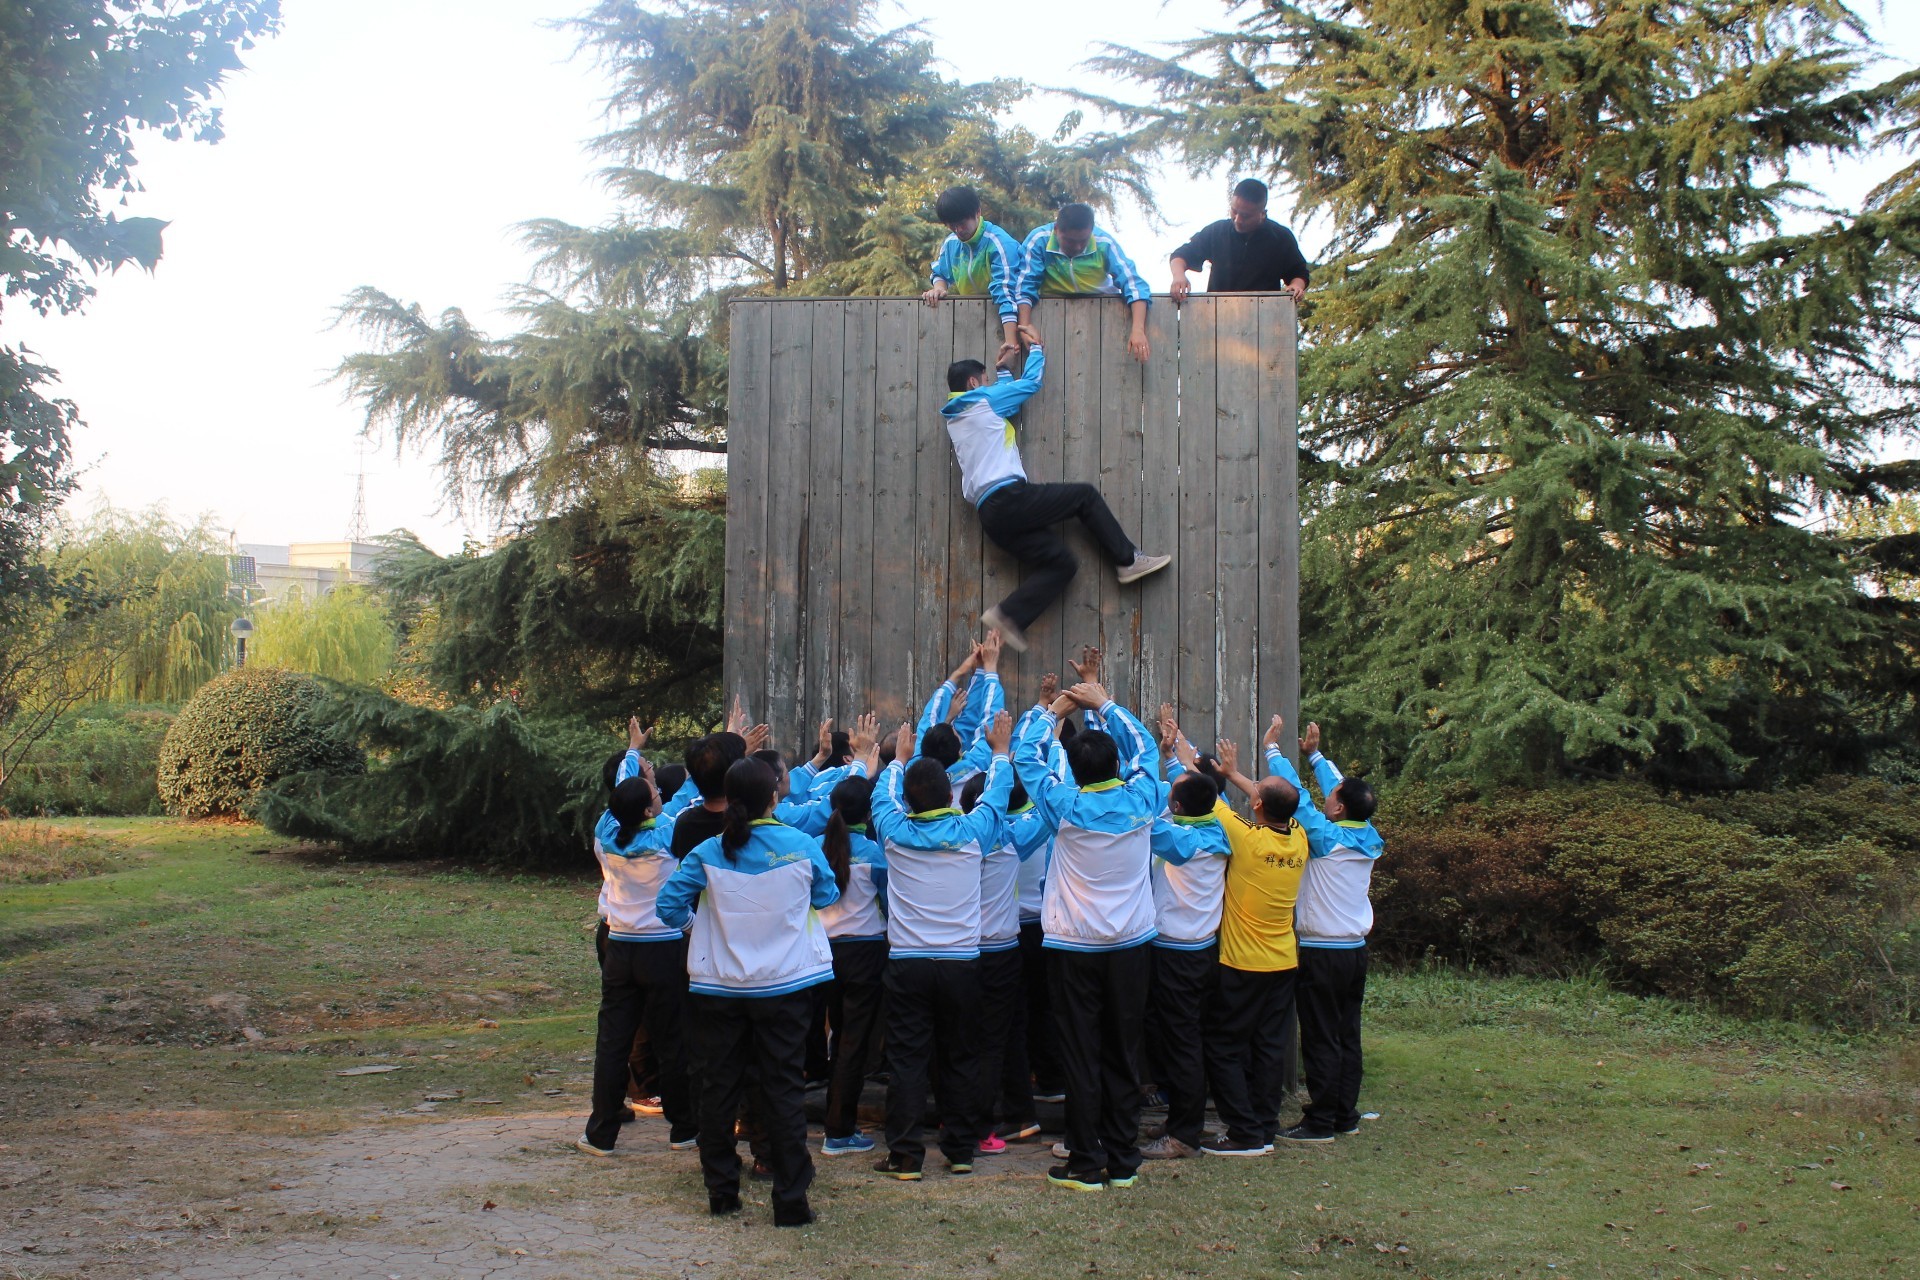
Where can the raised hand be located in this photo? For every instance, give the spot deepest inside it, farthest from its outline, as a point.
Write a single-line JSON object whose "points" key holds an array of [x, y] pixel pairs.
{"points": [[1228, 754], [737, 716], [864, 741], [757, 737], [823, 743], [932, 296], [1088, 668], [1064, 705], [1272, 736], [636, 736], [959, 704], [1049, 689], [1029, 335], [1310, 740], [989, 652], [1089, 694], [1004, 356], [1000, 733], [903, 744]]}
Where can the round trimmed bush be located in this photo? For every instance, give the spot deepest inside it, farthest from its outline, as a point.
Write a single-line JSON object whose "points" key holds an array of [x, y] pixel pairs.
{"points": [[241, 732]]}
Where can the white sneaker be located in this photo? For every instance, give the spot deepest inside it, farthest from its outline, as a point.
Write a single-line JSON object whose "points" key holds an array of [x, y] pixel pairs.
{"points": [[589, 1149], [1143, 564], [1013, 637], [1060, 1151]]}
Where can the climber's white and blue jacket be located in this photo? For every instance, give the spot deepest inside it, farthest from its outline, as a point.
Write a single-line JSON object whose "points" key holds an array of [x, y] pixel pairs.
{"points": [[1333, 909], [861, 913], [984, 442], [1103, 268], [1098, 894], [1003, 879], [986, 698], [933, 865], [758, 931], [988, 264], [631, 878], [1189, 876]]}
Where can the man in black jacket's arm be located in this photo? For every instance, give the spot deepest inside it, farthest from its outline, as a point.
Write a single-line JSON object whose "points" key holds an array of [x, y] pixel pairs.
{"points": [[1249, 252]]}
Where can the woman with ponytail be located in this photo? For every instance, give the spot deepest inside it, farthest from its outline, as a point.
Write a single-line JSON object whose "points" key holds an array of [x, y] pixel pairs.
{"points": [[643, 963], [857, 927], [757, 948]]}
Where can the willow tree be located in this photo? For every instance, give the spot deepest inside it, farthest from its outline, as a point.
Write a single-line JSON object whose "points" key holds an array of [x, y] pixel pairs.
{"points": [[1587, 365]]}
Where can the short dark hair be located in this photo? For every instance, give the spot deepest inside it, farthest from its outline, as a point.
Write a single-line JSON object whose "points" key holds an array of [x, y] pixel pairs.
{"points": [[1069, 730], [732, 743], [957, 204], [1074, 217], [1357, 798], [707, 763], [927, 786], [840, 749], [1093, 757], [1278, 800], [670, 777], [942, 743], [1208, 766], [971, 793], [610, 771], [960, 370], [1252, 190], [1192, 795], [773, 760]]}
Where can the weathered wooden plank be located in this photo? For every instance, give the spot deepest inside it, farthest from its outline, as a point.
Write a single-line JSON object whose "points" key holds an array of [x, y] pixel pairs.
{"points": [[1237, 516], [1157, 614], [932, 479], [1088, 325], [1278, 656], [1042, 453], [820, 573], [1195, 562], [858, 467], [1118, 427], [999, 574], [897, 411], [748, 407], [789, 439]]}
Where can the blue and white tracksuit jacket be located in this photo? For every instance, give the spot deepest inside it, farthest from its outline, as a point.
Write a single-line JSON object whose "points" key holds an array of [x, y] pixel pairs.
{"points": [[631, 878], [933, 866], [1099, 893], [861, 913], [984, 702], [984, 441], [1333, 909], [987, 264], [758, 930], [1104, 268]]}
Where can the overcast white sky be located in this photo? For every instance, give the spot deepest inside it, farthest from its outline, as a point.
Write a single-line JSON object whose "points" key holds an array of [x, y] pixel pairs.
{"points": [[396, 143]]}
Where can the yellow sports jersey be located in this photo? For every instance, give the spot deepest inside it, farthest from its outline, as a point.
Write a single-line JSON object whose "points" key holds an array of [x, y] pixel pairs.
{"points": [[1263, 881]]}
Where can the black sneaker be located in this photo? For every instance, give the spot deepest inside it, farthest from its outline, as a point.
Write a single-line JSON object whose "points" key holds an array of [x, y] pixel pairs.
{"points": [[720, 1206], [1225, 1146], [1348, 1133], [804, 1218], [1061, 1176], [1303, 1135], [897, 1167]]}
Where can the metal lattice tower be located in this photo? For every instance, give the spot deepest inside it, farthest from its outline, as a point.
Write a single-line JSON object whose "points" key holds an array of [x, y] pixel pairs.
{"points": [[357, 522]]}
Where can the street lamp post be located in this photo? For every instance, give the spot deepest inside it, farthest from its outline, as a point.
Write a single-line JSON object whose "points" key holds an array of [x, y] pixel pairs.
{"points": [[241, 629]]}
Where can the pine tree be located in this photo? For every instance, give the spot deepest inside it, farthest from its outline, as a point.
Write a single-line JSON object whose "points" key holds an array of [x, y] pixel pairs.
{"points": [[1585, 369]]}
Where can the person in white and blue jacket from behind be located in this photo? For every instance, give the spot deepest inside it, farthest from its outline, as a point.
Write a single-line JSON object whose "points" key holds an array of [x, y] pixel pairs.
{"points": [[1098, 914], [1331, 920], [933, 940], [756, 948], [857, 928], [643, 964]]}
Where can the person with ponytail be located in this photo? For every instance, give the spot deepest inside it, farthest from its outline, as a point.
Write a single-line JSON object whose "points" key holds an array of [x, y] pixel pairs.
{"points": [[643, 965], [757, 948], [857, 928]]}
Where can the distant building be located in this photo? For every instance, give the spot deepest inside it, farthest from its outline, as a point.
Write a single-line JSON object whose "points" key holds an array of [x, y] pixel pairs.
{"points": [[270, 573]]}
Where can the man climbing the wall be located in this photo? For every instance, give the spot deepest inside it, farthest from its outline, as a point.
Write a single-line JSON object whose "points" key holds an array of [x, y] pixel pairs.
{"points": [[1018, 516]]}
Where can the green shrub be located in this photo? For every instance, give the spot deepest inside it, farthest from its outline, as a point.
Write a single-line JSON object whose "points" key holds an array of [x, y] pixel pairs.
{"points": [[99, 760], [487, 785], [241, 732], [1796, 904]]}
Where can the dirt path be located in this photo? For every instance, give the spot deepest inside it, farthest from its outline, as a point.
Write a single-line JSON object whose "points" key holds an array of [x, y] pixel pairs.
{"points": [[473, 1195]]}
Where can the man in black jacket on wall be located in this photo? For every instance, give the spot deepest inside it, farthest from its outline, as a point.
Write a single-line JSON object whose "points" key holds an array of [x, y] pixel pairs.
{"points": [[1249, 251]]}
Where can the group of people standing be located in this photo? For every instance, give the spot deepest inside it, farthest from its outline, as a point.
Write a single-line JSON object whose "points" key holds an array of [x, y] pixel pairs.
{"points": [[965, 898]]}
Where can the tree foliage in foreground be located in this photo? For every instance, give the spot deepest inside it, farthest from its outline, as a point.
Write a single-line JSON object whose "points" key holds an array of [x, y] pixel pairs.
{"points": [[1587, 368]]}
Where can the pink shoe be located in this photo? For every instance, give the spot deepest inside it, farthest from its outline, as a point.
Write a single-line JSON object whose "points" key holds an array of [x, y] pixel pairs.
{"points": [[992, 1145]]}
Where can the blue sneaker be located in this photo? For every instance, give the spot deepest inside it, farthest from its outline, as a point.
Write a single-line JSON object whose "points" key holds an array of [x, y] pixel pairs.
{"points": [[852, 1144]]}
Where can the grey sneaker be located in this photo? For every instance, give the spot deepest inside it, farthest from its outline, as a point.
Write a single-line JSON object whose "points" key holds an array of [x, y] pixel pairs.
{"points": [[1014, 638], [1060, 1151], [1143, 564], [1166, 1147]]}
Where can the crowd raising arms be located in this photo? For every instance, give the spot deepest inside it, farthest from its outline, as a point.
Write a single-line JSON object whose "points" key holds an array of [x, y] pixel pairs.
{"points": [[876, 892]]}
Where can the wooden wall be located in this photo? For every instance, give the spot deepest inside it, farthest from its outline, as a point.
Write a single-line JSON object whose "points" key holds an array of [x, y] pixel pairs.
{"points": [[856, 573]]}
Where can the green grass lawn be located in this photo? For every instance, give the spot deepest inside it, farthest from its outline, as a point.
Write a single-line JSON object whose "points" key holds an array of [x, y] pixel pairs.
{"points": [[1527, 1127]]}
